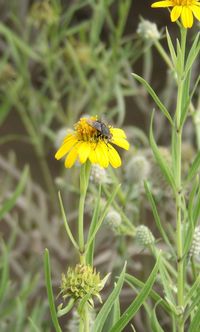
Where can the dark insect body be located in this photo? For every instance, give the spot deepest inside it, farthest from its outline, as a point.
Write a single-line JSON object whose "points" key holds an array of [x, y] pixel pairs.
{"points": [[102, 128]]}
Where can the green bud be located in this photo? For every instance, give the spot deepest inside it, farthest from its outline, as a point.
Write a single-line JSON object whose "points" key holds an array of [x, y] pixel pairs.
{"points": [[144, 236]]}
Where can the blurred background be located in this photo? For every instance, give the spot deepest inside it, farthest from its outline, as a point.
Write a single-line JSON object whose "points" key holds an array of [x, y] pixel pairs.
{"points": [[61, 60]]}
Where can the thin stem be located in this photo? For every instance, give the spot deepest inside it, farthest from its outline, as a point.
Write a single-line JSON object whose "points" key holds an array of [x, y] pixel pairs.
{"points": [[163, 54], [178, 194], [84, 180]]}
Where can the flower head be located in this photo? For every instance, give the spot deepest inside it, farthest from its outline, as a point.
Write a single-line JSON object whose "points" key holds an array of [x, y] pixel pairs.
{"points": [[93, 139], [148, 30], [181, 8], [80, 281]]}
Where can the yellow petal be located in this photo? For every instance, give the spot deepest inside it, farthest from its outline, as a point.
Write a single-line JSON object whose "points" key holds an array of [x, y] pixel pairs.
{"points": [[102, 154], [65, 147], [114, 157], [84, 151], [117, 132], [72, 156], [175, 13], [196, 11], [162, 4], [187, 17], [68, 137], [123, 143], [92, 155]]}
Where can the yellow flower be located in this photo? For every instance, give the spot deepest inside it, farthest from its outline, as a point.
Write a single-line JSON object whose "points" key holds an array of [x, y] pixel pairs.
{"points": [[181, 8], [93, 140]]}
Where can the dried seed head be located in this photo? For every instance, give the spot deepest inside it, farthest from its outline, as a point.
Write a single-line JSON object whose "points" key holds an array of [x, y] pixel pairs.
{"points": [[144, 236], [148, 30]]}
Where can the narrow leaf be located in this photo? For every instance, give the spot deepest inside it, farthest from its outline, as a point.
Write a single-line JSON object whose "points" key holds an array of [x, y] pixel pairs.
{"points": [[155, 213], [154, 96], [155, 325], [4, 272], [47, 270], [139, 300], [134, 282], [9, 203], [171, 48], [95, 217], [161, 161], [97, 226], [68, 230], [105, 310], [194, 168], [195, 323], [194, 51]]}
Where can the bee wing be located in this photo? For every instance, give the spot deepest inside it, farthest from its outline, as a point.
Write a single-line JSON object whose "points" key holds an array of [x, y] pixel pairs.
{"points": [[94, 124]]}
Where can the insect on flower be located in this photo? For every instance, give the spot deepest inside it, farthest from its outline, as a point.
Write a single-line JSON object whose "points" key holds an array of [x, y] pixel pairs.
{"points": [[101, 127], [92, 139]]}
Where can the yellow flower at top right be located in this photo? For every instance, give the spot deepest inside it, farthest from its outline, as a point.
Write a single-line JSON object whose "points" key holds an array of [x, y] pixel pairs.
{"points": [[181, 8]]}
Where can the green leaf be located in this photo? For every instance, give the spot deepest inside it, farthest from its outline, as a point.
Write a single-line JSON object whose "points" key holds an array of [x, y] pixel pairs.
{"points": [[155, 325], [194, 51], [179, 57], [18, 42], [195, 323], [171, 49], [189, 229], [139, 300], [155, 97], [196, 208], [185, 109], [192, 290], [93, 225], [9, 204], [105, 310], [4, 272], [47, 270], [68, 230], [134, 282], [160, 160], [65, 310], [116, 311], [186, 98], [194, 168], [97, 226], [155, 214]]}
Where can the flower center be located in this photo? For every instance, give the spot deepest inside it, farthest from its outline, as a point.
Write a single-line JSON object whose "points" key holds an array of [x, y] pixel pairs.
{"points": [[183, 2], [84, 131]]}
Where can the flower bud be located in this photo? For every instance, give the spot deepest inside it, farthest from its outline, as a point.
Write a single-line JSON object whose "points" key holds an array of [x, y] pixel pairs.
{"points": [[137, 169], [113, 220], [98, 174], [195, 246], [144, 236]]}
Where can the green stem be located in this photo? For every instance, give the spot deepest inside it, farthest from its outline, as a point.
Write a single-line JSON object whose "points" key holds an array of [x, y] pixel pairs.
{"points": [[84, 180], [163, 54], [178, 194]]}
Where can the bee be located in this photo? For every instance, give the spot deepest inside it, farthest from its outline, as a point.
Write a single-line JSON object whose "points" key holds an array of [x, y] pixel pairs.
{"points": [[102, 128]]}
